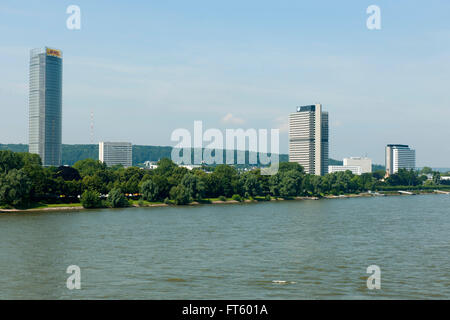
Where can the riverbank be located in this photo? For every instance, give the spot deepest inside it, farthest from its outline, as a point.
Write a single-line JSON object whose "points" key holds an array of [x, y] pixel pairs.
{"points": [[137, 204]]}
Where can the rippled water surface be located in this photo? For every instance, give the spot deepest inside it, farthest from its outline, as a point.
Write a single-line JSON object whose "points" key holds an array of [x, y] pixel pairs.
{"points": [[278, 250]]}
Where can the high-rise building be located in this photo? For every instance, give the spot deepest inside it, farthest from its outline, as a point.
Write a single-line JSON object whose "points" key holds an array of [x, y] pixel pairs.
{"points": [[364, 163], [45, 105], [399, 156], [113, 153], [308, 139]]}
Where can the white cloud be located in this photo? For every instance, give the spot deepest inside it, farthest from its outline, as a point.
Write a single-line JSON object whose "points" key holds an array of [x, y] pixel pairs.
{"points": [[229, 118]]}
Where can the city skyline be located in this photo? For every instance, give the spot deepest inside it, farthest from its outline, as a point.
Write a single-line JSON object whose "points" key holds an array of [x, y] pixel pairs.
{"points": [[155, 86]]}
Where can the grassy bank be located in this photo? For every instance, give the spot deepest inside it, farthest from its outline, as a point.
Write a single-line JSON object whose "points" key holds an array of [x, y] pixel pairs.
{"points": [[219, 200]]}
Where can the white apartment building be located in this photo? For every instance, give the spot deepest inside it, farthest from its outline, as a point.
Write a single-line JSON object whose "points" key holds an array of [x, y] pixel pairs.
{"points": [[399, 156], [357, 170], [114, 153], [308, 139], [364, 163]]}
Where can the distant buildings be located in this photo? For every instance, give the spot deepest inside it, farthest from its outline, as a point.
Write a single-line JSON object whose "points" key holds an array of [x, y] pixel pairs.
{"points": [[308, 139], [364, 163], [190, 166], [357, 165], [399, 156], [114, 153], [150, 165], [45, 105], [354, 169]]}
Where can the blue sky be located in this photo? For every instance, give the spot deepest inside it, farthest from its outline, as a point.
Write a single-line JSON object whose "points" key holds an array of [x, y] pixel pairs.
{"points": [[146, 68]]}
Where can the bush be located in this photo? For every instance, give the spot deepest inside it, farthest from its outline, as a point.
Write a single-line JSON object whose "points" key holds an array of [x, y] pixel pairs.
{"points": [[90, 199], [167, 201], [236, 197], [268, 198], [222, 198], [117, 199], [141, 203]]}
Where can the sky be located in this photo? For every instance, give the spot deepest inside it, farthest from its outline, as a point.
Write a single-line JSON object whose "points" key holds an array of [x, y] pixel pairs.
{"points": [[146, 68]]}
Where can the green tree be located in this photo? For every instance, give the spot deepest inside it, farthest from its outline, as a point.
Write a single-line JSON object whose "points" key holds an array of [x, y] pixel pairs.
{"points": [[165, 167], [117, 199], [436, 178], [91, 199], [10, 160], [15, 188], [180, 194], [290, 183], [251, 184], [226, 179], [88, 167], [150, 191], [426, 170], [194, 185]]}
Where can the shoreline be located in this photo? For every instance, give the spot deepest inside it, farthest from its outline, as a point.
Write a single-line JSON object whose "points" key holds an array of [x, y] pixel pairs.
{"points": [[230, 201]]}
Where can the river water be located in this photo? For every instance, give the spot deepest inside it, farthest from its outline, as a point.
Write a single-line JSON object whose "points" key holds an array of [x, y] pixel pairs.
{"points": [[278, 250]]}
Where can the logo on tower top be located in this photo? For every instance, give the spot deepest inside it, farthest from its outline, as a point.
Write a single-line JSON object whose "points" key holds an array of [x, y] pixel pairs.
{"points": [[54, 53]]}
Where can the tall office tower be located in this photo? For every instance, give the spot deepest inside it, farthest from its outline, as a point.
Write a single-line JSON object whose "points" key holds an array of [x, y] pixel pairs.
{"points": [[308, 139], [113, 153], [399, 156], [45, 105], [364, 163]]}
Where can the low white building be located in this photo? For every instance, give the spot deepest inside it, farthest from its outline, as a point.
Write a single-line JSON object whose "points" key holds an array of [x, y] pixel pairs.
{"points": [[190, 166], [364, 163], [114, 153], [354, 169], [150, 165]]}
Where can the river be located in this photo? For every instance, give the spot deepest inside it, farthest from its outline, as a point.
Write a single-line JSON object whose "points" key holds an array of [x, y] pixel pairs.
{"points": [[270, 250]]}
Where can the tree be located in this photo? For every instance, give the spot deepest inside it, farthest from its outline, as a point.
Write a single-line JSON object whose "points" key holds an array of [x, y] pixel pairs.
{"points": [[403, 177], [436, 177], [68, 173], [14, 188], [250, 184], [90, 199], [165, 167], [379, 174], [88, 167], [10, 160], [150, 191], [180, 194], [194, 185], [290, 183], [226, 179], [94, 183], [117, 199], [426, 170]]}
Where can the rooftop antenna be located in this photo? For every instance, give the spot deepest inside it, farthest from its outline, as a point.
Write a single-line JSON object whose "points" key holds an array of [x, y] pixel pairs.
{"points": [[92, 127]]}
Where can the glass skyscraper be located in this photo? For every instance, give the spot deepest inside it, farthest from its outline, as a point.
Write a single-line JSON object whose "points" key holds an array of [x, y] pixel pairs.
{"points": [[45, 105]]}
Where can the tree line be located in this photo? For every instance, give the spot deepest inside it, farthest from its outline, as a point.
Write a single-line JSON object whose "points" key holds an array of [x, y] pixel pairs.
{"points": [[24, 181]]}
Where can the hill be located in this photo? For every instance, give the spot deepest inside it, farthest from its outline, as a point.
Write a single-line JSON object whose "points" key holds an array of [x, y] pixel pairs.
{"points": [[71, 153]]}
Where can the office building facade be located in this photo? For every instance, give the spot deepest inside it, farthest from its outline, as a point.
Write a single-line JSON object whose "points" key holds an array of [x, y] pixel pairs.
{"points": [[399, 156], [45, 105], [116, 153], [308, 139], [357, 170], [364, 163]]}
